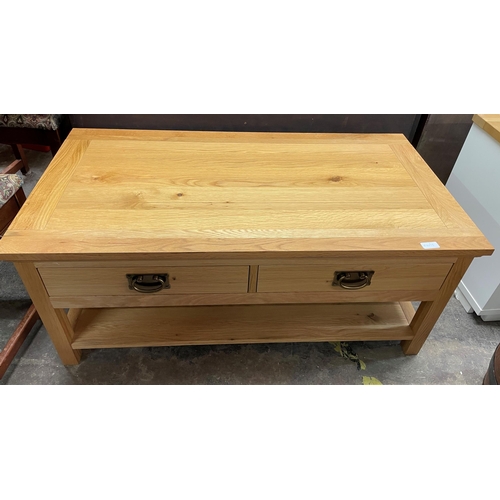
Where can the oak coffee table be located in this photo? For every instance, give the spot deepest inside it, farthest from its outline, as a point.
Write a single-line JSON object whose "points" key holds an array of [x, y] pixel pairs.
{"points": [[161, 238]]}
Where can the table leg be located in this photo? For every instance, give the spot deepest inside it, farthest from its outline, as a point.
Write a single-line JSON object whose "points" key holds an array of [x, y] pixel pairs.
{"points": [[428, 312], [55, 320]]}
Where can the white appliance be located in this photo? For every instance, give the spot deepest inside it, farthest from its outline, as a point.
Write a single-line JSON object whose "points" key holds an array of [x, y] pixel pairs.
{"points": [[475, 183]]}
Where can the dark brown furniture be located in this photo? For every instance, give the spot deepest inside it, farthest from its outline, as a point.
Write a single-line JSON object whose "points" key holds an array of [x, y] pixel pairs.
{"points": [[8, 210], [43, 130]]}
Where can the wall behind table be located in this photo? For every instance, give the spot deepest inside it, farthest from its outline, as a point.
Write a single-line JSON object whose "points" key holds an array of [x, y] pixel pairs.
{"points": [[440, 141], [404, 124]]}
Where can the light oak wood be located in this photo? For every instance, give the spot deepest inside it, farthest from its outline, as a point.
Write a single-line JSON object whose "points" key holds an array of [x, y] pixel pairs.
{"points": [[113, 281], [46, 194], [239, 324], [115, 201], [489, 123], [143, 194], [205, 299], [162, 220], [238, 137], [227, 158], [73, 315], [55, 320], [220, 167], [235, 261], [446, 207], [406, 275], [225, 245], [428, 312], [253, 278], [228, 200], [408, 310]]}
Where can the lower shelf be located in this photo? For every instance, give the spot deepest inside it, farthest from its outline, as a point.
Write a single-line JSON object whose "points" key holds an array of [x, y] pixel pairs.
{"points": [[205, 325]]}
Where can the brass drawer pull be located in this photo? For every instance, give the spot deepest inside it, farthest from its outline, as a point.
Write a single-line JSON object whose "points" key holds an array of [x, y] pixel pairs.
{"points": [[352, 280], [148, 283]]}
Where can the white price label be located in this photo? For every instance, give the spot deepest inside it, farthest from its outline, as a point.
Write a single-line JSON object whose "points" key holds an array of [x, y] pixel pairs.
{"points": [[429, 244]]}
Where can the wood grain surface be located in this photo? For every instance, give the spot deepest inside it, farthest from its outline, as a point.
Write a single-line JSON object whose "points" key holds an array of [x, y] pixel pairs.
{"points": [[55, 321], [46, 194], [489, 123], [209, 299], [239, 324], [387, 276], [254, 222], [428, 312], [113, 281], [124, 194]]}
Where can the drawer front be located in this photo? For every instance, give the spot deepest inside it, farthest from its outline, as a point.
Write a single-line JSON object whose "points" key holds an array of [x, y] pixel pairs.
{"points": [[102, 281], [387, 275]]}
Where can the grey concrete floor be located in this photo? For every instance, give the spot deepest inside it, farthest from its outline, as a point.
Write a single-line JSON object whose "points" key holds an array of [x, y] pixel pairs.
{"points": [[457, 352]]}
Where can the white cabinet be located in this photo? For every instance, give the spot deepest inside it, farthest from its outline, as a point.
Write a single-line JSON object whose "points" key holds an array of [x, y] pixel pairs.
{"points": [[475, 183]]}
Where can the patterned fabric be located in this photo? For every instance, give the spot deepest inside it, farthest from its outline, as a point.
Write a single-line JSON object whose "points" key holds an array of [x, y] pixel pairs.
{"points": [[45, 122], [9, 184]]}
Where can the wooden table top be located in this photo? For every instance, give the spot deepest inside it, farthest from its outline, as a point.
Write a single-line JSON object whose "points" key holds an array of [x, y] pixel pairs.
{"points": [[148, 194], [489, 123]]}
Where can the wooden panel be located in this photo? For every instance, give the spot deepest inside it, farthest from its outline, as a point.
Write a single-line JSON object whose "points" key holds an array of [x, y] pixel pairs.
{"points": [[73, 315], [235, 186], [241, 137], [223, 244], [408, 310], [234, 261], [208, 299], [113, 281], [48, 190], [438, 196], [324, 172], [134, 194], [138, 196], [201, 153], [388, 275], [239, 324], [489, 123], [252, 279], [147, 196], [160, 220], [55, 321], [428, 312]]}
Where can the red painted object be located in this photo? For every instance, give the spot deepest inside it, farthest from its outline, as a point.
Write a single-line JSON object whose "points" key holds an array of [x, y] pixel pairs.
{"points": [[36, 147]]}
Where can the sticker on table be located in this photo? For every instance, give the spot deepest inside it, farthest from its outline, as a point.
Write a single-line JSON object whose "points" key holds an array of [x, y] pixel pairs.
{"points": [[429, 244]]}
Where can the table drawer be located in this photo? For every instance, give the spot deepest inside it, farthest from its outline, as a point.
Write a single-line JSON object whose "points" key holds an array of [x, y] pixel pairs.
{"points": [[103, 281], [387, 275]]}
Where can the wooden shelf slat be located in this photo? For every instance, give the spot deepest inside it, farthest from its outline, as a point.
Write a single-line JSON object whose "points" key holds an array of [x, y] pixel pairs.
{"points": [[204, 325]]}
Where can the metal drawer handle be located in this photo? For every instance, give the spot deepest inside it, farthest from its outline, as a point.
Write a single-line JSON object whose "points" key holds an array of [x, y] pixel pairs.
{"points": [[148, 283], [352, 280]]}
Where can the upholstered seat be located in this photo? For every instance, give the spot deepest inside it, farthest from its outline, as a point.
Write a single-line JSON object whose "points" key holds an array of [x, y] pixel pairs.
{"points": [[9, 184], [40, 130], [44, 122], [12, 196]]}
